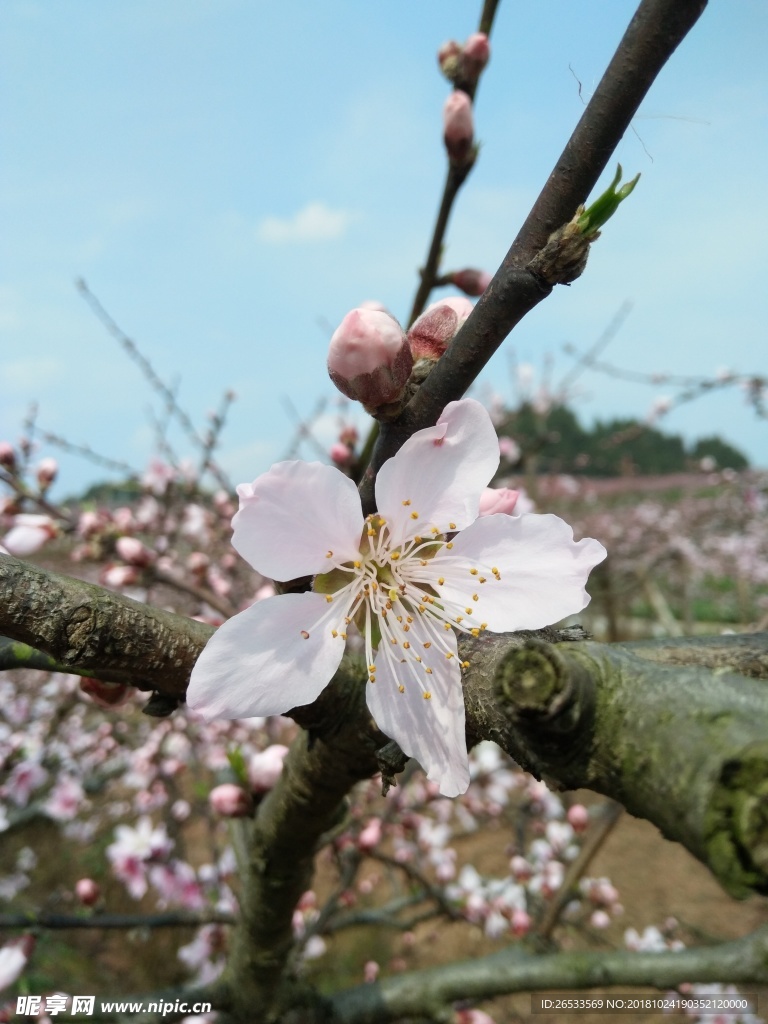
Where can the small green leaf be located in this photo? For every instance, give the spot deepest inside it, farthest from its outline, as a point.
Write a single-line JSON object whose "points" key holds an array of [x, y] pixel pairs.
{"points": [[604, 207]]}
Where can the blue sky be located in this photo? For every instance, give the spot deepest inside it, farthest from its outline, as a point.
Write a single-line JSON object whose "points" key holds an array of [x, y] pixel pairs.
{"points": [[231, 177]]}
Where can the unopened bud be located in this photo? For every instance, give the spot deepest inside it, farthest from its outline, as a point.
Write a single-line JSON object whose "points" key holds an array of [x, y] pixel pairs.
{"points": [[475, 56], [498, 501], [449, 59], [87, 891], [458, 127], [265, 768], [134, 552], [578, 817], [231, 801], [119, 575], [106, 695], [340, 454], [432, 332], [471, 282], [7, 455], [47, 470], [369, 359]]}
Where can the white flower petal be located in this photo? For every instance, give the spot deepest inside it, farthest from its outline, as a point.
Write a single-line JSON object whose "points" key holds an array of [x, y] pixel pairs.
{"points": [[259, 662], [293, 515], [431, 730], [543, 570], [441, 470]]}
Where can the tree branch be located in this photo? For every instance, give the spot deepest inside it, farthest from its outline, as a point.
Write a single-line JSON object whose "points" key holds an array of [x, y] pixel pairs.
{"points": [[110, 922], [429, 993], [653, 35], [682, 747], [84, 626]]}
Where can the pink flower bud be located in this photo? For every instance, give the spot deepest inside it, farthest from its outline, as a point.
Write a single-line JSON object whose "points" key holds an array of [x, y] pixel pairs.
{"points": [[449, 59], [520, 921], [475, 55], [369, 359], [599, 919], [340, 454], [7, 455], [119, 575], [498, 500], [28, 534], [431, 334], [578, 817], [470, 281], [265, 768], [47, 470], [198, 562], [106, 695], [370, 836], [370, 972], [349, 436], [87, 891], [458, 127], [134, 552], [231, 801]]}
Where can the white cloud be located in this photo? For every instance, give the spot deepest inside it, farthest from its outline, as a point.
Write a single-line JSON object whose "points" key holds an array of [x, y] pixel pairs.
{"points": [[315, 222]]}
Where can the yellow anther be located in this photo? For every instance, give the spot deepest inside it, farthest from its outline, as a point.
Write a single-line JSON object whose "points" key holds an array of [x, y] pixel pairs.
{"points": [[394, 556], [409, 618], [374, 585], [449, 655], [414, 515], [347, 619], [475, 632], [401, 688], [418, 657], [305, 634], [393, 640], [447, 627], [475, 597], [494, 570], [371, 679], [473, 572], [406, 645], [343, 636], [392, 594], [329, 554], [468, 611], [482, 579], [417, 539], [407, 501], [434, 530], [427, 695], [459, 618], [441, 580], [334, 633], [465, 664], [449, 545], [382, 522], [427, 644], [422, 561], [371, 668], [428, 671], [357, 564], [399, 618], [371, 533], [451, 526], [406, 629], [328, 598]]}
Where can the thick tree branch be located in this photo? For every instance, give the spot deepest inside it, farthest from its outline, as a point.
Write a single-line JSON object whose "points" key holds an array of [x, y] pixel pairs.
{"points": [[91, 629], [682, 747], [429, 993]]}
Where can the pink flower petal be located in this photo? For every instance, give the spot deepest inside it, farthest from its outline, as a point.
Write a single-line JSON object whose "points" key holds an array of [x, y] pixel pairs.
{"points": [[442, 471], [431, 730], [293, 515], [261, 663], [543, 570]]}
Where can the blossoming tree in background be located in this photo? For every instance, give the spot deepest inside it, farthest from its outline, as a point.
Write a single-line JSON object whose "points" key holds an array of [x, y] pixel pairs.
{"points": [[404, 617]]}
